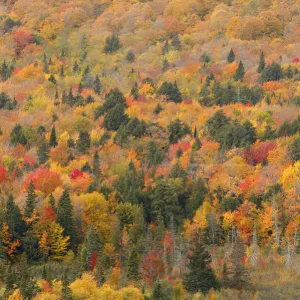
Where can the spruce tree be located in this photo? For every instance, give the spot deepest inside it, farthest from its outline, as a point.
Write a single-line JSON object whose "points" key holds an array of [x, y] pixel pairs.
{"points": [[96, 165], [240, 72], [75, 67], [66, 291], [17, 136], [133, 265], [83, 143], [157, 293], [199, 276], [52, 79], [237, 275], [176, 42], [97, 85], [115, 117], [112, 44], [52, 202], [43, 152], [53, 141], [64, 216], [135, 91], [262, 63], [231, 56], [130, 57], [62, 72], [30, 200]]}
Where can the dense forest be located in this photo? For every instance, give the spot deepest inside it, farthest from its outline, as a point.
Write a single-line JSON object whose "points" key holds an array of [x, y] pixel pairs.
{"points": [[149, 149]]}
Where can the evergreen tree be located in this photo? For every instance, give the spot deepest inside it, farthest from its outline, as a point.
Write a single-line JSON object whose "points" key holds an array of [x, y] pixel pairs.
{"points": [[240, 72], [171, 91], [133, 265], [231, 56], [177, 130], [52, 79], [17, 136], [9, 281], [199, 276], [83, 143], [294, 150], [130, 57], [166, 47], [112, 44], [158, 109], [272, 72], [237, 275], [30, 200], [64, 216], [115, 117], [176, 42], [66, 291], [262, 63], [53, 141], [62, 72], [43, 152], [92, 245], [75, 67], [289, 72], [56, 94], [158, 293], [97, 85], [52, 202], [135, 91], [96, 165], [14, 219]]}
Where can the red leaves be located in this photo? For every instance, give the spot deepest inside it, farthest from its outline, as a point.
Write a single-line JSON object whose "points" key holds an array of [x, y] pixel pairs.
{"points": [[44, 180], [22, 39], [3, 174], [49, 214], [296, 60], [93, 261], [258, 152], [76, 173], [152, 266]]}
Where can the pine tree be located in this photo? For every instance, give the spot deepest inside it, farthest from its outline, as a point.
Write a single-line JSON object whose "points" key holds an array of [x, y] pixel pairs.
{"points": [[53, 141], [9, 281], [62, 72], [135, 91], [96, 165], [133, 265], [17, 136], [97, 85], [262, 63], [75, 67], [115, 117], [52, 79], [176, 42], [231, 56], [112, 44], [30, 200], [157, 293], [237, 275], [43, 152], [66, 291], [166, 47], [65, 216], [52, 202], [240, 72], [56, 94], [83, 143], [199, 276], [130, 57]]}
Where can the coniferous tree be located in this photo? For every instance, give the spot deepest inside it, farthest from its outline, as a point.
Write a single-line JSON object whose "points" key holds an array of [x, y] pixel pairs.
{"points": [[176, 42], [64, 216], [262, 63], [83, 143], [75, 67], [30, 200], [199, 276], [53, 141], [240, 72], [272, 72], [96, 165], [133, 265], [112, 44], [135, 91], [115, 117], [52, 79], [66, 291], [231, 56], [52, 202], [62, 72], [294, 150], [237, 275], [157, 293], [17, 136], [97, 85], [43, 152], [130, 57], [10, 281], [171, 91], [165, 65]]}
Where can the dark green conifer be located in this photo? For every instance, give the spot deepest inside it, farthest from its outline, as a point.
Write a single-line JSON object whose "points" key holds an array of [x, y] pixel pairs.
{"points": [[97, 85], [231, 56], [262, 63], [30, 200], [133, 265], [83, 143], [53, 141], [43, 152], [240, 72]]}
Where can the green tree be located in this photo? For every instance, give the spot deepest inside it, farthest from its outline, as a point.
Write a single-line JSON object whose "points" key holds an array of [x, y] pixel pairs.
{"points": [[17, 136], [96, 165], [53, 141], [97, 85], [240, 72], [171, 91], [272, 72], [133, 265], [176, 44], [52, 79], [135, 91], [115, 117], [262, 63], [199, 276], [177, 130], [83, 142], [43, 152], [130, 57], [294, 150], [158, 293], [64, 216], [231, 56], [112, 44], [30, 200]]}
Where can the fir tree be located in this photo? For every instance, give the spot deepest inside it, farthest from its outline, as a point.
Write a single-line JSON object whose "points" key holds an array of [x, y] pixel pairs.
{"points": [[65, 216], [176, 42], [43, 152], [231, 56], [166, 47], [237, 275], [170, 90], [165, 65], [130, 57], [262, 63], [199, 276], [115, 117], [135, 91], [52, 79], [53, 141], [157, 293], [133, 265], [17, 136], [240, 72], [10, 281], [97, 85], [75, 67], [158, 109], [30, 200], [112, 44], [52, 203], [96, 165], [56, 94], [62, 72], [83, 143], [66, 291]]}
